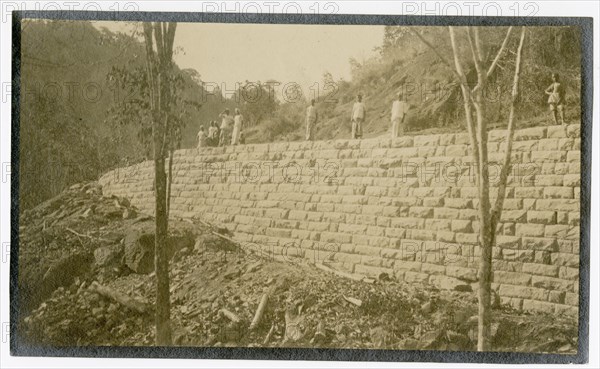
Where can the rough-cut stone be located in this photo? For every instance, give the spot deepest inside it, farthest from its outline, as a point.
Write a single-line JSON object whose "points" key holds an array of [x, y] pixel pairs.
{"points": [[547, 156], [335, 237], [458, 203], [429, 140], [415, 277], [502, 277], [420, 212], [572, 180], [558, 192], [446, 213], [557, 297], [446, 236], [509, 242], [518, 255], [555, 204], [433, 269], [438, 224], [574, 156], [541, 217], [467, 274], [139, 251], [574, 130], [535, 133], [540, 269], [533, 305], [562, 259], [574, 218], [533, 230], [550, 283], [108, 255], [523, 292], [462, 226], [449, 283], [529, 192], [557, 230], [542, 244], [408, 205], [514, 215], [557, 131]]}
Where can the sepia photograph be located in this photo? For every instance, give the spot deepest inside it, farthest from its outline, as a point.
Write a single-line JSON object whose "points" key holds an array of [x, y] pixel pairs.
{"points": [[390, 186]]}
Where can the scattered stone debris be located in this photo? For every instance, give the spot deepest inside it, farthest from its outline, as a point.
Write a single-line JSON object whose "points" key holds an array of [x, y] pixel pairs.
{"points": [[88, 279]]}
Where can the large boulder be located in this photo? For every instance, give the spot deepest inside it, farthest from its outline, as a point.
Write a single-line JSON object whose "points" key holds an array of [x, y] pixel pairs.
{"points": [[62, 273], [450, 283], [138, 246], [139, 251], [108, 255]]}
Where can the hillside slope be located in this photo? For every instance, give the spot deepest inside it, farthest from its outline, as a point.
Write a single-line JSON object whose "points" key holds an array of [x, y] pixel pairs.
{"points": [[81, 239], [68, 132], [406, 65]]}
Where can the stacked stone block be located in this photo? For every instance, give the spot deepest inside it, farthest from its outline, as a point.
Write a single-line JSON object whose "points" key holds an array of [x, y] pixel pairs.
{"points": [[407, 207]]}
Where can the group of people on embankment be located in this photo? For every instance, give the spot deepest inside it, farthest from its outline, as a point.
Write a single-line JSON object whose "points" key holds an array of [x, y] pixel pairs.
{"points": [[358, 115], [230, 130]]}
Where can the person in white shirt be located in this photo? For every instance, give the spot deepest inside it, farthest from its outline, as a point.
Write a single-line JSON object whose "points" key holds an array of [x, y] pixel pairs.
{"points": [[311, 120], [399, 110], [201, 138], [213, 134], [358, 117], [238, 121], [226, 123]]}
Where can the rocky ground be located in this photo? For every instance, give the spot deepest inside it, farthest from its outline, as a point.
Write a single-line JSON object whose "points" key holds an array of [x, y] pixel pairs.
{"points": [[80, 240]]}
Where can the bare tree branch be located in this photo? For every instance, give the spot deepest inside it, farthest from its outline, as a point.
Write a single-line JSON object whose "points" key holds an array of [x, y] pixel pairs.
{"points": [[466, 91], [159, 41], [499, 54], [497, 210], [444, 61], [478, 45], [474, 50], [150, 64]]}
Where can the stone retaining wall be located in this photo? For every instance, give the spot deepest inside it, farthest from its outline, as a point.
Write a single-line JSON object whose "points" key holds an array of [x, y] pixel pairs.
{"points": [[407, 207]]}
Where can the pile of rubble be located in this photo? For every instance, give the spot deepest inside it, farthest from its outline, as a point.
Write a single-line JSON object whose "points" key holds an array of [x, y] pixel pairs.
{"points": [[222, 295]]}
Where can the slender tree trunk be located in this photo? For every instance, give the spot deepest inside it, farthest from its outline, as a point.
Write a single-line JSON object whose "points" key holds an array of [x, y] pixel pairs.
{"points": [[170, 181], [161, 262], [159, 66], [488, 217], [479, 138], [497, 211], [485, 234]]}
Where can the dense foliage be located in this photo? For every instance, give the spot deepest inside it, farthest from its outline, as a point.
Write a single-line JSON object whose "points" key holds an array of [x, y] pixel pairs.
{"points": [[80, 89]]}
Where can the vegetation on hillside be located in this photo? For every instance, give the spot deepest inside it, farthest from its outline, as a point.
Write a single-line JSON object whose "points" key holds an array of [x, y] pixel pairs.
{"points": [[405, 64], [73, 91], [71, 96]]}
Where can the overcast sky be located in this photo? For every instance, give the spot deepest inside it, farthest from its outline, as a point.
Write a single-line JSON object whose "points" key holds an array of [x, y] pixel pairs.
{"points": [[229, 53]]}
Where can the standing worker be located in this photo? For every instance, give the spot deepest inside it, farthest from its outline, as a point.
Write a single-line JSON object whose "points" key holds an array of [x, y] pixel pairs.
{"points": [[358, 117], [217, 134], [399, 110], [556, 99], [238, 121], [213, 137], [226, 123], [311, 120], [201, 138]]}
